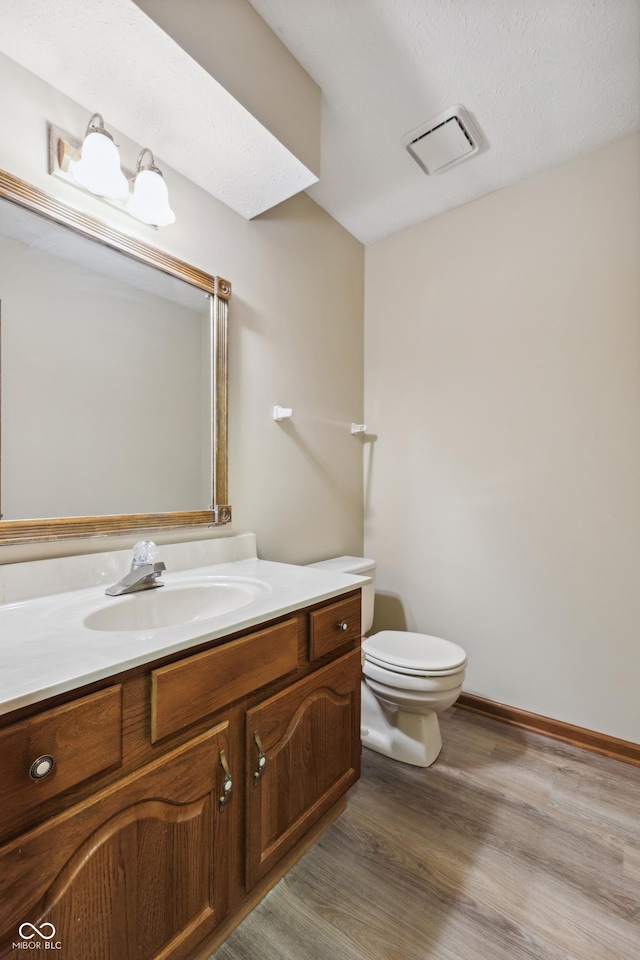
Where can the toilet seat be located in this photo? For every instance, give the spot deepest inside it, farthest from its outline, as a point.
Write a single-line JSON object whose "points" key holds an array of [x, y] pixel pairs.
{"points": [[378, 677], [414, 654], [413, 671]]}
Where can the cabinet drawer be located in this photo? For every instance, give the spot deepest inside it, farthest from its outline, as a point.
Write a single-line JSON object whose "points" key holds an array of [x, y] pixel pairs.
{"points": [[333, 627], [185, 692], [83, 738]]}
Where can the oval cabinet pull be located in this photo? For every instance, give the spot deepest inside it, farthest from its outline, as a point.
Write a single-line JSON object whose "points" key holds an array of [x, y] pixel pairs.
{"points": [[227, 784], [41, 767], [343, 625], [262, 760]]}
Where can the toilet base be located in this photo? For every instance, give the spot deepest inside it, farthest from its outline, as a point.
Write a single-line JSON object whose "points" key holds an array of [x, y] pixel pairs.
{"points": [[409, 737]]}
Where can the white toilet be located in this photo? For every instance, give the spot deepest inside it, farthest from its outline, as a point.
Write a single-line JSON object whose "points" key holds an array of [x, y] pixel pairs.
{"points": [[408, 679]]}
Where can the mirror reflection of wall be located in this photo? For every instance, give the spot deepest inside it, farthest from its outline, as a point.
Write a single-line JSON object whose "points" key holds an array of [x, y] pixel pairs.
{"points": [[105, 383]]}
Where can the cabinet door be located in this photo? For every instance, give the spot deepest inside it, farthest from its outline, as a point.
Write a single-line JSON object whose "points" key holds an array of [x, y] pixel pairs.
{"points": [[303, 753], [137, 871]]}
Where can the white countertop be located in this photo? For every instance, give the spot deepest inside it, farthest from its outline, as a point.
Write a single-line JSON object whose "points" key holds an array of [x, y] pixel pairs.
{"points": [[46, 649]]}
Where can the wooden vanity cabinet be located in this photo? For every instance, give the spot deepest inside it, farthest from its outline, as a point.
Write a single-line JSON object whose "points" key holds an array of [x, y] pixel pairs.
{"points": [[140, 870], [197, 810]]}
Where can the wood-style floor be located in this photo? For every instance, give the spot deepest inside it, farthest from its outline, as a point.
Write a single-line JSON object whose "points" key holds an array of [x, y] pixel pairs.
{"points": [[510, 847]]}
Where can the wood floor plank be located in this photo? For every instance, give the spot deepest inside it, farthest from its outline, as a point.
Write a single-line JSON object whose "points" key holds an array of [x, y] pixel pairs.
{"points": [[631, 862], [511, 846]]}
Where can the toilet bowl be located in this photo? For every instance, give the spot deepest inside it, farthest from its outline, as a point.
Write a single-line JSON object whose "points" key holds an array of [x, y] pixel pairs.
{"points": [[408, 678]]}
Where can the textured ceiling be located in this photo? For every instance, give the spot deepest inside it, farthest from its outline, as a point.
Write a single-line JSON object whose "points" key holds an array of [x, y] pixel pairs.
{"points": [[107, 55], [545, 80]]}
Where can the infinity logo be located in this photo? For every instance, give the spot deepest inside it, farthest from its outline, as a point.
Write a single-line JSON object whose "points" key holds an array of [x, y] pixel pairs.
{"points": [[36, 931]]}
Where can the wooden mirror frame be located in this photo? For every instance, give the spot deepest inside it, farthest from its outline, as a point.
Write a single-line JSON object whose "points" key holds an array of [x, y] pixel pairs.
{"points": [[61, 528]]}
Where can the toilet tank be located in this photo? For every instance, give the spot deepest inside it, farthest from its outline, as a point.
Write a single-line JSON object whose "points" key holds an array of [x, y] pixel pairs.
{"points": [[362, 567]]}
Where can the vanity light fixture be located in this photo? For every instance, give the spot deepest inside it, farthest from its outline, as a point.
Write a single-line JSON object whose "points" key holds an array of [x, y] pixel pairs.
{"points": [[94, 165], [149, 201], [98, 169]]}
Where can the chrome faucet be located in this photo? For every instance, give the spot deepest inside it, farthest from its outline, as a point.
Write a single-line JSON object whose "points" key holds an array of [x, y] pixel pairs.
{"points": [[144, 572]]}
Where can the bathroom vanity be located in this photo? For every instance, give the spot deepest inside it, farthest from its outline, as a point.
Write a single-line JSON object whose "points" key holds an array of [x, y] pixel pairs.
{"points": [[157, 786], [166, 756]]}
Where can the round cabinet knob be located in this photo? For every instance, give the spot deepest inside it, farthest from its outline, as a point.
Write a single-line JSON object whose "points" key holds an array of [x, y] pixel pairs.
{"points": [[343, 625], [41, 767]]}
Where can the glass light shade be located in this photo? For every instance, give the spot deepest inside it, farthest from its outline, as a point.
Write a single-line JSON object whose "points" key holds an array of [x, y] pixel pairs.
{"points": [[98, 170], [150, 200]]}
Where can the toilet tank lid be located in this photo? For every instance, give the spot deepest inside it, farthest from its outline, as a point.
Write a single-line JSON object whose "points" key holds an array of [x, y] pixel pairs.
{"points": [[358, 565]]}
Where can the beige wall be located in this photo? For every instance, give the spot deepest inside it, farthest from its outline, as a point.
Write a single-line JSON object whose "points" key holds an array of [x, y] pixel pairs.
{"points": [[502, 367], [295, 339]]}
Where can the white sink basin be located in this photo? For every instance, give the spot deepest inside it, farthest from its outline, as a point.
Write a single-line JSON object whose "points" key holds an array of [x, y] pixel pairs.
{"points": [[175, 604]]}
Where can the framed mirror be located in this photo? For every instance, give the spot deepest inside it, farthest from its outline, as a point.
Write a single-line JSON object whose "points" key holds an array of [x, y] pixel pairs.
{"points": [[113, 379]]}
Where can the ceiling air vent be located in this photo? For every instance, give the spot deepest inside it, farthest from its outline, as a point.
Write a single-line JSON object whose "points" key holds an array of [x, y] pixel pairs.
{"points": [[443, 142]]}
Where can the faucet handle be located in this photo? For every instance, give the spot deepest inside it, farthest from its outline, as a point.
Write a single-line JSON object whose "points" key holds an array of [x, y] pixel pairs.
{"points": [[144, 552]]}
